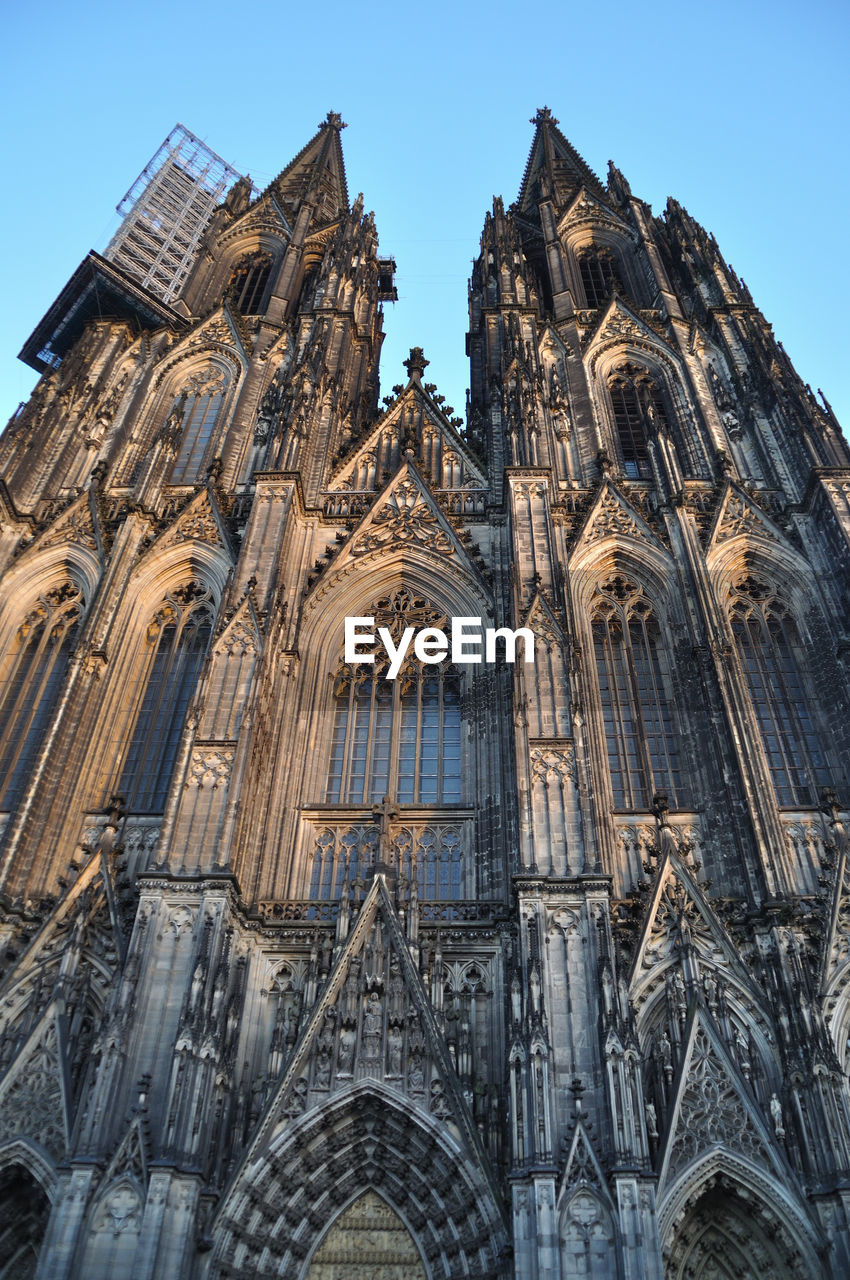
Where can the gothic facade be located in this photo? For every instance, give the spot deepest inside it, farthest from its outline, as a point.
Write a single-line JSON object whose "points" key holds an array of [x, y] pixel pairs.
{"points": [[489, 970]]}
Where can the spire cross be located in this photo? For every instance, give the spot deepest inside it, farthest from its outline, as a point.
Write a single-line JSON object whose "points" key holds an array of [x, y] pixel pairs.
{"points": [[333, 120], [543, 116], [383, 814]]}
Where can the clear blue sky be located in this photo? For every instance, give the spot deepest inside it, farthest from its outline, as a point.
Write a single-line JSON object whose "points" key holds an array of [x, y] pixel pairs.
{"points": [[739, 110]]}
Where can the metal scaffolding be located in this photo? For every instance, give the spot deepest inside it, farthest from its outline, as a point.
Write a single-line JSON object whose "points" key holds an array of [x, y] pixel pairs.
{"points": [[166, 210]]}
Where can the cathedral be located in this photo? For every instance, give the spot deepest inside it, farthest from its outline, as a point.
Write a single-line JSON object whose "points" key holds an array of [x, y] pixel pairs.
{"points": [[418, 960]]}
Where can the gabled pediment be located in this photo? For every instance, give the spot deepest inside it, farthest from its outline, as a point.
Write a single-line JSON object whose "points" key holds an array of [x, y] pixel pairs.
{"points": [[404, 517], [737, 515], [87, 910], [679, 915], [586, 207], [243, 632], [265, 214], [620, 324], [374, 1022], [713, 1107], [416, 406], [199, 521], [583, 1169], [542, 618], [34, 1091], [220, 329], [613, 516], [77, 525]]}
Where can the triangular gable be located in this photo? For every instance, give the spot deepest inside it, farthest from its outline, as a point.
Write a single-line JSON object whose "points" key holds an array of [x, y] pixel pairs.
{"points": [[77, 524], [405, 515], [130, 1158], [613, 516], [221, 329], [243, 633], [84, 897], [394, 420], [582, 1168], [738, 516], [265, 214], [34, 1091], [373, 1022], [587, 208], [619, 323], [199, 521], [542, 619], [713, 1108], [679, 911]]}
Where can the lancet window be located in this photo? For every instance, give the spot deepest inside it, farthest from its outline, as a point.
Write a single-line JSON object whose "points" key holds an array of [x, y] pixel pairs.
{"points": [[633, 672], [193, 419], [600, 275], [31, 680], [249, 282], [398, 737], [638, 411], [177, 641], [772, 661]]}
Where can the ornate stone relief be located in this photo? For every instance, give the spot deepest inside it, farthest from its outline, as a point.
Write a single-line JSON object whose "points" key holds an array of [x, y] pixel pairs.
{"points": [[404, 519], [211, 765]]}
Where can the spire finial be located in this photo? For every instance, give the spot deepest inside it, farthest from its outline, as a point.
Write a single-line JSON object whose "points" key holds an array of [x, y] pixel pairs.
{"points": [[543, 116], [333, 120], [416, 364]]}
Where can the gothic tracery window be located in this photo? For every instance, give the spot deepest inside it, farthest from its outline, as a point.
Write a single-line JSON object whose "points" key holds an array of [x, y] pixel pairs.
{"points": [[634, 687], [397, 737], [29, 686], [193, 417], [249, 282], [600, 275], [773, 665], [177, 642], [638, 410]]}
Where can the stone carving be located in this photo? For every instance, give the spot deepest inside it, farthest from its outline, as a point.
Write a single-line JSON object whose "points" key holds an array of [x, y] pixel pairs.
{"points": [[551, 763], [31, 1102], [404, 519], [711, 1112], [741, 517], [211, 766], [612, 519], [119, 1211]]}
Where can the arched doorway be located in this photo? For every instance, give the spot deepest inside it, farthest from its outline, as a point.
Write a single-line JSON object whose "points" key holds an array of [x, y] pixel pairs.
{"points": [[24, 1210], [727, 1231], [367, 1240]]}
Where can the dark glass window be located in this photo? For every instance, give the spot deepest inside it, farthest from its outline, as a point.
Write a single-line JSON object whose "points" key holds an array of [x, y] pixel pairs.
{"points": [[600, 276], [178, 638], [638, 410], [635, 691], [772, 662], [32, 678], [195, 414], [396, 737], [246, 291]]}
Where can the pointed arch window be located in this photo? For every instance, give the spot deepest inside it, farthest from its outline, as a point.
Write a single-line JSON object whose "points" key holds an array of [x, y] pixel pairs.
{"points": [[773, 664], [633, 672], [638, 412], [193, 419], [399, 737], [177, 639], [31, 681], [249, 283], [600, 275]]}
